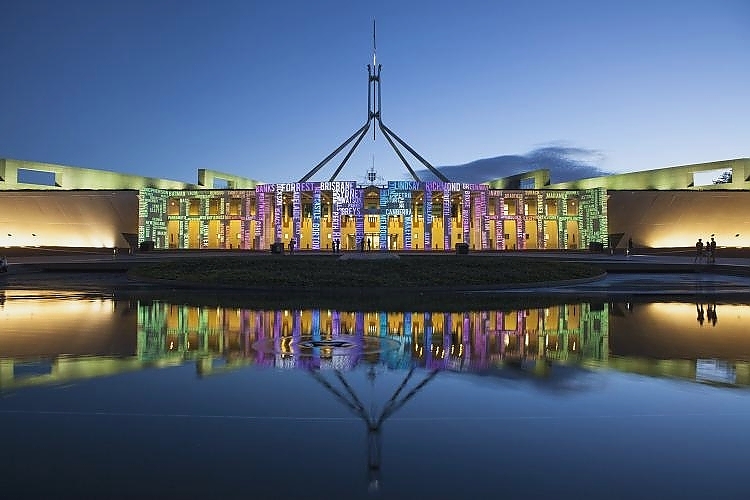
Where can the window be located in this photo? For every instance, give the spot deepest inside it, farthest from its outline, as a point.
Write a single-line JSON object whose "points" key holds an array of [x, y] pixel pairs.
{"points": [[195, 206], [709, 177], [26, 176], [220, 183], [235, 205]]}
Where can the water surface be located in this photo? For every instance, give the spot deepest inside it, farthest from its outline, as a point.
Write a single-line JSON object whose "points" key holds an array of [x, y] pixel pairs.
{"points": [[103, 398]]}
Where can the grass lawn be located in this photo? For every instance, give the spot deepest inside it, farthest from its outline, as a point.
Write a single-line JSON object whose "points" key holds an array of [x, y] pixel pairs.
{"points": [[326, 281]]}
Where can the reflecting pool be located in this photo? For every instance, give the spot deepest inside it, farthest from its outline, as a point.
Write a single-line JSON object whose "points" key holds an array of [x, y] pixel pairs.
{"points": [[129, 398]]}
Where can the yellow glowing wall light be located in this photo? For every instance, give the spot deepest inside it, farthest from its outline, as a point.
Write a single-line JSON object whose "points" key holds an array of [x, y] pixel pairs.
{"points": [[59, 237], [679, 236]]}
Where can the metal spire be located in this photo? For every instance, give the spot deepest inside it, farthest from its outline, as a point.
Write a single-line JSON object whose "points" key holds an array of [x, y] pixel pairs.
{"points": [[374, 46], [374, 114]]}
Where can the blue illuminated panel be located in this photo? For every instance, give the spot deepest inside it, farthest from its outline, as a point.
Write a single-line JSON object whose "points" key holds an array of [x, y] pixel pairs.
{"points": [[384, 219], [359, 222]]}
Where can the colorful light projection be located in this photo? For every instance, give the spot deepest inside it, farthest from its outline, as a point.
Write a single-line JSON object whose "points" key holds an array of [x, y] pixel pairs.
{"points": [[447, 225], [427, 218], [280, 215], [260, 222], [316, 205], [400, 205], [383, 219]]}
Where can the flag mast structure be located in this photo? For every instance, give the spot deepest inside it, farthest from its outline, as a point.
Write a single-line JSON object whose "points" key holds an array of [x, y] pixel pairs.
{"points": [[374, 114]]}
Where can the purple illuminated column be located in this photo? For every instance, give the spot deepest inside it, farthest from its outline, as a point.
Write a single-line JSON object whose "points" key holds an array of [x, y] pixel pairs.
{"points": [[260, 217], [500, 223], [278, 206], [359, 211], [316, 217], [296, 217], [466, 215], [407, 196], [447, 226], [427, 219], [483, 219]]}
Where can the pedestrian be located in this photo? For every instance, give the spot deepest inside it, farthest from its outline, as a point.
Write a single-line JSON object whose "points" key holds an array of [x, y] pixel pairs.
{"points": [[3, 264], [630, 246], [712, 246], [698, 250], [291, 246], [369, 244]]}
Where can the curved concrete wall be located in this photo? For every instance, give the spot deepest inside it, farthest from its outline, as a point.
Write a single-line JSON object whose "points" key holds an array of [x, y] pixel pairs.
{"points": [[90, 219], [678, 218]]}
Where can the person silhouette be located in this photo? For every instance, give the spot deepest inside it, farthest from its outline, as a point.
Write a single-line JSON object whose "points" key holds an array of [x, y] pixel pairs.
{"points": [[699, 310], [369, 244], [698, 250], [712, 247], [711, 313]]}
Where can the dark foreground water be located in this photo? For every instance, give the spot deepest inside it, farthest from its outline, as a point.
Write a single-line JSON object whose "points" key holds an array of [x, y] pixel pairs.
{"points": [[102, 398]]}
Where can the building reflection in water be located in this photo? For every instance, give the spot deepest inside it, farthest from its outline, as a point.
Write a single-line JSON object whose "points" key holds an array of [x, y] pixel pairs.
{"points": [[49, 337]]}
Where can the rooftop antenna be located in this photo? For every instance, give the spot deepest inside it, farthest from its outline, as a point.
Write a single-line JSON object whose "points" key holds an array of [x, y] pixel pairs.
{"points": [[372, 175]]}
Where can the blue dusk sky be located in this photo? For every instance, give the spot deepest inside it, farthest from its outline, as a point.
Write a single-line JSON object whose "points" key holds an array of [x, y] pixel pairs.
{"points": [[266, 90]]}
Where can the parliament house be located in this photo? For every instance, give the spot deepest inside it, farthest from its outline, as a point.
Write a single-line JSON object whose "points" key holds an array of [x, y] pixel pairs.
{"points": [[47, 205]]}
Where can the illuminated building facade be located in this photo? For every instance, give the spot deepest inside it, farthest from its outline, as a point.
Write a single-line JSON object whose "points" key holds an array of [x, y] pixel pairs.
{"points": [[90, 208], [403, 215]]}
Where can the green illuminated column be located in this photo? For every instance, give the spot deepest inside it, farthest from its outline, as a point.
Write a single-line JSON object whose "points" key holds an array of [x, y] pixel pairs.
{"points": [[184, 236], [203, 224], [540, 241]]}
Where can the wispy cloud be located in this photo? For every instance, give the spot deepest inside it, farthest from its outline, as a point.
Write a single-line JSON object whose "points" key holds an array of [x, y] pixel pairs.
{"points": [[565, 163]]}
